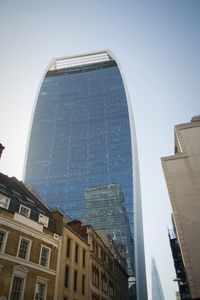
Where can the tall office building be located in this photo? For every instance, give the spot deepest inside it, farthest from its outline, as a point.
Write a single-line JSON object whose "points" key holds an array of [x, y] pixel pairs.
{"points": [[82, 136], [182, 174]]}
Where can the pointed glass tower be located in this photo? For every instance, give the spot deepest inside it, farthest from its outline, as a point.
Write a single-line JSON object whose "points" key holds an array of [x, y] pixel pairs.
{"points": [[157, 292], [82, 137]]}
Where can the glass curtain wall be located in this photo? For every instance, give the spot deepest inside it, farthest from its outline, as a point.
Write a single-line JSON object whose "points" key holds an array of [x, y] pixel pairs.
{"points": [[80, 138]]}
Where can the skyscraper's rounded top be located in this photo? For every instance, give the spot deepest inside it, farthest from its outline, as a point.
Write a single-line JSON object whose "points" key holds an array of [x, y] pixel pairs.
{"points": [[80, 60]]}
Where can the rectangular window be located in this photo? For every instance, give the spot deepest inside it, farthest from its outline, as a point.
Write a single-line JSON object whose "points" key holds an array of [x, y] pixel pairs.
{"points": [[66, 276], [95, 297], [76, 253], [24, 211], [44, 256], [24, 248], [43, 220], [17, 288], [3, 235], [4, 201], [68, 247], [111, 290], [95, 276], [103, 282], [75, 281], [83, 258], [40, 291], [83, 285]]}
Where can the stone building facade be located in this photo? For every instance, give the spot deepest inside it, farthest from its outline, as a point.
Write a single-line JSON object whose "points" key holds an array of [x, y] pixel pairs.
{"points": [[182, 174], [74, 266], [108, 278], [29, 243]]}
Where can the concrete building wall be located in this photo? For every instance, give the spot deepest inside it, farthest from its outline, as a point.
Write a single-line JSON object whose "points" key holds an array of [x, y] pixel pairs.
{"points": [[182, 173]]}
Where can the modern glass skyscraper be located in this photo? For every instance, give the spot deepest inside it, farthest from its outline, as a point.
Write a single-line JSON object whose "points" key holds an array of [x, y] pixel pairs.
{"points": [[82, 137]]}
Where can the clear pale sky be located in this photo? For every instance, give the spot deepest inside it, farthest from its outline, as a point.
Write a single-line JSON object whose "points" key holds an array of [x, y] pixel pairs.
{"points": [[158, 46]]}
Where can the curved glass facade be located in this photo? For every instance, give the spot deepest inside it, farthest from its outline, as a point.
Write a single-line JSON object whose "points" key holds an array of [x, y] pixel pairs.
{"points": [[80, 141]]}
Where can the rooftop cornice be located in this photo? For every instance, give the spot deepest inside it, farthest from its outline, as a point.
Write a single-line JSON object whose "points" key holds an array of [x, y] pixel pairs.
{"points": [[80, 60]]}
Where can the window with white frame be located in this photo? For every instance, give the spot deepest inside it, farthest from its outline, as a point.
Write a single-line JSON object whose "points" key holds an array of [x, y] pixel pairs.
{"points": [[40, 291], [24, 248], [4, 201], [17, 288], [45, 256], [18, 282], [43, 220], [24, 211], [3, 237]]}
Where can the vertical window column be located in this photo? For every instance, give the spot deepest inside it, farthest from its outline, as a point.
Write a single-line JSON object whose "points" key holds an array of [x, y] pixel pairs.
{"points": [[83, 284], [68, 247], [75, 280], [66, 276], [83, 258], [76, 253]]}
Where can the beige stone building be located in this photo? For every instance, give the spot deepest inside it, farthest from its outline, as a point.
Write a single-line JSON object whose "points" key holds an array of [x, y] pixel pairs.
{"points": [[107, 276], [182, 173], [74, 265], [29, 244]]}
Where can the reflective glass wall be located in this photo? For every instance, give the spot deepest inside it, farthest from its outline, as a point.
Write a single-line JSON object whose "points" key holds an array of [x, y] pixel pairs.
{"points": [[80, 139]]}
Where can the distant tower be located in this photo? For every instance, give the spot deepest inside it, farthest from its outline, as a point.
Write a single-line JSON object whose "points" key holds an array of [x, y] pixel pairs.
{"points": [[157, 292], [82, 135]]}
